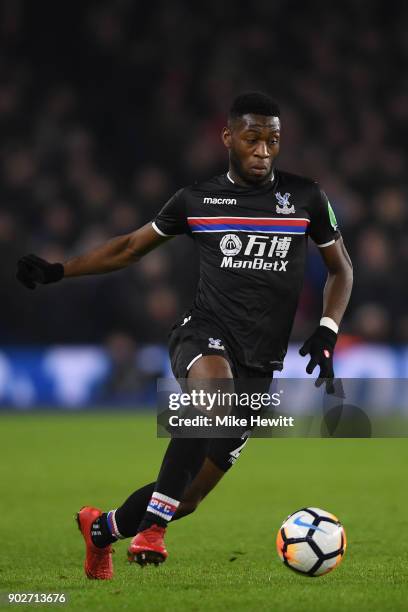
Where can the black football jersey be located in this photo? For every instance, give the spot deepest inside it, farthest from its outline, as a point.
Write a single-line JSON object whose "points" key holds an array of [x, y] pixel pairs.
{"points": [[252, 243]]}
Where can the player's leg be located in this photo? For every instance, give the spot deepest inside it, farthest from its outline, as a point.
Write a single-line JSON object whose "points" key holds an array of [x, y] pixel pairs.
{"points": [[123, 522], [222, 454], [177, 471], [101, 529], [207, 478], [98, 529], [130, 514]]}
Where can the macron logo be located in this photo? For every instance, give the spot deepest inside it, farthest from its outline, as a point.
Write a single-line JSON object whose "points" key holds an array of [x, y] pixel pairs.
{"points": [[228, 201]]}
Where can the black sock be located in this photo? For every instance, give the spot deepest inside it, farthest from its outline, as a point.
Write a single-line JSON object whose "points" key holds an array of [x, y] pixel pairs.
{"points": [[182, 461], [131, 512], [100, 533]]}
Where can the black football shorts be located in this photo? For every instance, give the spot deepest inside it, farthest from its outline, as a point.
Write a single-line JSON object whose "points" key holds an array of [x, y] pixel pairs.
{"points": [[192, 338]]}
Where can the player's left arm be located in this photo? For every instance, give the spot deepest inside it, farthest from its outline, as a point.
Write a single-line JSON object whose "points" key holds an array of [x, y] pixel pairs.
{"points": [[336, 296], [337, 290], [324, 231]]}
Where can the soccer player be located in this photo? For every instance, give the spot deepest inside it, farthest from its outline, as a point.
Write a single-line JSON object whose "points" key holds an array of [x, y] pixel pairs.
{"points": [[251, 225]]}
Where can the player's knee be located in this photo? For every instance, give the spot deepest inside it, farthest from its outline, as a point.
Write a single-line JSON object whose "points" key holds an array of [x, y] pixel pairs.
{"points": [[210, 366]]}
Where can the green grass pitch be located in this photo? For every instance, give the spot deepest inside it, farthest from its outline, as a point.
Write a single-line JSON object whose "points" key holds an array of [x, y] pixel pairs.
{"points": [[51, 464]]}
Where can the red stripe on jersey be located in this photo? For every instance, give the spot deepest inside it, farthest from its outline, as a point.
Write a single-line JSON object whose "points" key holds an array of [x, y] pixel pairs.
{"points": [[247, 220]]}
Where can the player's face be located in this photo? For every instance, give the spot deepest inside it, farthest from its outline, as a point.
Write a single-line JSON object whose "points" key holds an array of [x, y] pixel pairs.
{"points": [[253, 144]]}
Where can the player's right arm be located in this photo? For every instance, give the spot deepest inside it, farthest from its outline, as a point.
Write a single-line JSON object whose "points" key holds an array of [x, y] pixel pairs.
{"points": [[115, 254]]}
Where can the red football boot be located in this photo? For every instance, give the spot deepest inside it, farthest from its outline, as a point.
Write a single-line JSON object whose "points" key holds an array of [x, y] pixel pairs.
{"points": [[148, 546], [98, 561]]}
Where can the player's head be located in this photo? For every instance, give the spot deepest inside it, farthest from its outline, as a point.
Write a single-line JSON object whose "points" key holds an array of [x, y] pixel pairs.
{"points": [[252, 136]]}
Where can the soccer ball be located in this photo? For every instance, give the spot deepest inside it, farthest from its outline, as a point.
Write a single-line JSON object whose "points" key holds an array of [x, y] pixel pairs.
{"points": [[311, 541]]}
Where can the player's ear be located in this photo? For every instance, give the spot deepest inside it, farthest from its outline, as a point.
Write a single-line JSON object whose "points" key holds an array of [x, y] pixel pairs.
{"points": [[226, 137]]}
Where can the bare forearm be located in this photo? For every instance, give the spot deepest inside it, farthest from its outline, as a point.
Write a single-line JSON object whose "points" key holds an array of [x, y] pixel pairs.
{"points": [[112, 255], [337, 293], [116, 253]]}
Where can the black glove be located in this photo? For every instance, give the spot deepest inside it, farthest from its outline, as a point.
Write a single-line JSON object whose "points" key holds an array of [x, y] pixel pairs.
{"points": [[32, 270], [320, 346]]}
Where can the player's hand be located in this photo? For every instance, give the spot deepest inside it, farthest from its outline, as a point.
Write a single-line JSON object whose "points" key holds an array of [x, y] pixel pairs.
{"points": [[32, 270], [320, 347]]}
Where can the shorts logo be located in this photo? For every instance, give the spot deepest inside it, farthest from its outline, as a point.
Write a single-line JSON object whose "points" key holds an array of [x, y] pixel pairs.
{"points": [[283, 206], [186, 320], [230, 244], [215, 343]]}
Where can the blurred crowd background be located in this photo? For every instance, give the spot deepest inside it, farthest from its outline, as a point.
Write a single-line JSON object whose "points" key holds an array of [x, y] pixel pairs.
{"points": [[107, 108]]}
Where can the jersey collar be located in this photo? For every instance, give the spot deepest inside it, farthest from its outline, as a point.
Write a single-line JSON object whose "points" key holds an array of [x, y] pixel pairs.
{"points": [[234, 183]]}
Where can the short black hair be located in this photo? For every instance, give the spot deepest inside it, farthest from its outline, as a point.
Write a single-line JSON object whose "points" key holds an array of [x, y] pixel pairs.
{"points": [[254, 102]]}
